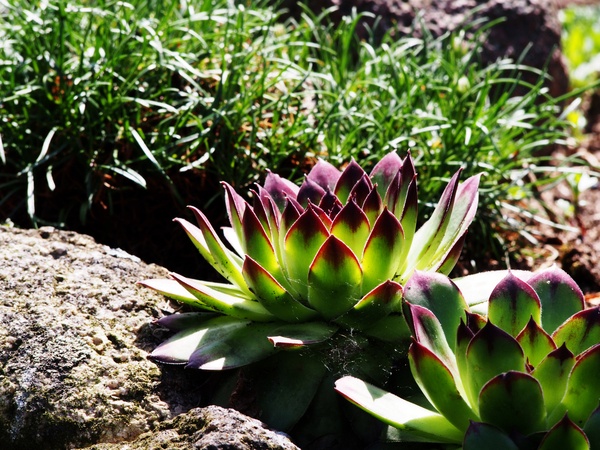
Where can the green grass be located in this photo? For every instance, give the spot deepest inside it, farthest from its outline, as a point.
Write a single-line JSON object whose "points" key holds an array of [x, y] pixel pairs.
{"points": [[101, 97]]}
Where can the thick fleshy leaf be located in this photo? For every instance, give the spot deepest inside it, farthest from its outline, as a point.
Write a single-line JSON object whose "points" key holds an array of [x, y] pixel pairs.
{"points": [[580, 331], [592, 429], [490, 353], [351, 226], [238, 348], [273, 296], [377, 304], [351, 175], [583, 389], [535, 342], [452, 257], [414, 422], [279, 188], [174, 290], [331, 205], [565, 435], [183, 321], [236, 206], [372, 206], [385, 171], [334, 279], [559, 295], [311, 192], [440, 295], [512, 303], [302, 242], [224, 260], [179, 348], [257, 244], [427, 330], [463, 338], [392, 328], [300, 335], [481, 436], [361, 190], [514, 402], [552, 373], [325, 175], [438, 384], [231, 305], [380, 257]]}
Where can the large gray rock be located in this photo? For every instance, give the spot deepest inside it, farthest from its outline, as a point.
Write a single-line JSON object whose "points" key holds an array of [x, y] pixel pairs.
{"points": [[74, 335]]}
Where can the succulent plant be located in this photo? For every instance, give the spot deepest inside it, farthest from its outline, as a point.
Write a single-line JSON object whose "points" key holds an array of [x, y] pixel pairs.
{"points": [[524, 377], [305, 263]]}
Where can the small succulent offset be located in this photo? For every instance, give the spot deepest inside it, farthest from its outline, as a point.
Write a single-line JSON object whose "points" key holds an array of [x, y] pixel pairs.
{"points": [[306, 261], [525, 377]]}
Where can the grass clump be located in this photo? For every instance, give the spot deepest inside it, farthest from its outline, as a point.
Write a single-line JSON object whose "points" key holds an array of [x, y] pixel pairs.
{"points": [[103, 97]]}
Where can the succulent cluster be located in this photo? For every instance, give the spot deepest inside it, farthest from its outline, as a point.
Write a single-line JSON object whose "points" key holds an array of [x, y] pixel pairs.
{"points": [[304, 261], [524, 377]]}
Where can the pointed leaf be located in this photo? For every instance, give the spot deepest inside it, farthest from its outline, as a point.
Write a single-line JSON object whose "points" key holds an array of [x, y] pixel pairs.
{"points": [[231, 305], [535, 342], [552, 373], [485, 436], [302, 241], [583, 388], [411, 419], [273, 296], [179, 348], [377, 304], [257, 244], [238, 348], [385, 171], [373, 206], [491, 352], [438, 384], [334, 279], [580, 331], [351, 175], [592, 429], [440, 295], [565, 435], [559, 295], [325, 175], [512, 303], [311, 192], [183, 321], [361, 190], [382, 250], [331, 205], [236, 206], [351, 226], [452, 257], [174, 290], [300, 335], [513, 401], [279, 188]]}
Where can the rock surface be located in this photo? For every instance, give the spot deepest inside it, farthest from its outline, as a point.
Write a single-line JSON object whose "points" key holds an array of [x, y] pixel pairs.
{"points": [[74, 335]]}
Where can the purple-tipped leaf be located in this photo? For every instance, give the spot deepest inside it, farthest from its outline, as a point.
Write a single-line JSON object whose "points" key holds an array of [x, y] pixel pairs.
{"points": [[380, 256], [352, 227], [552, 373], [580, 331], [440, 295], [361, 190], [236, 206], [386, 170], [535, 342], [514, 402], [279, 189], [174, 290], [565, 435], [256, 242], [273, 296], [301, 335], [334, 279], [351, 175], [491, 352], [485, 436], [512, 303], [439, 386], [310, 192], [559, 295], [372, 206], [324, 175]]}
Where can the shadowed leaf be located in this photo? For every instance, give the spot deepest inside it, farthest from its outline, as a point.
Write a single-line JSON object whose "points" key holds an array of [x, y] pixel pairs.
{"points": [[481, 436], [536, 343], [565, 435], [552, 373], [580, 331]]}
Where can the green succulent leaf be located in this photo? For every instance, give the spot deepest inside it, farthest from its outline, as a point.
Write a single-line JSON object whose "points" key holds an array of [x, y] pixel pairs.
{"points": [[440, 295], [392, 328], [256, 242], [386, 170], [373, 206], [565, 435], [180, 347], [376, 305], [379, 260], [174, 290], [350, 176], [583, 389], [352, 227], [580, 331], [237, 306], [512, 303], [485, 436], [552, 373], [439, 386], [334, 279], [184, 321], [559, 295], [414, 422], [273, 296], [536, 343], [592, 429], [235, 206], [302, 242], [514, 402], [291, 336], [491, 352]]}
